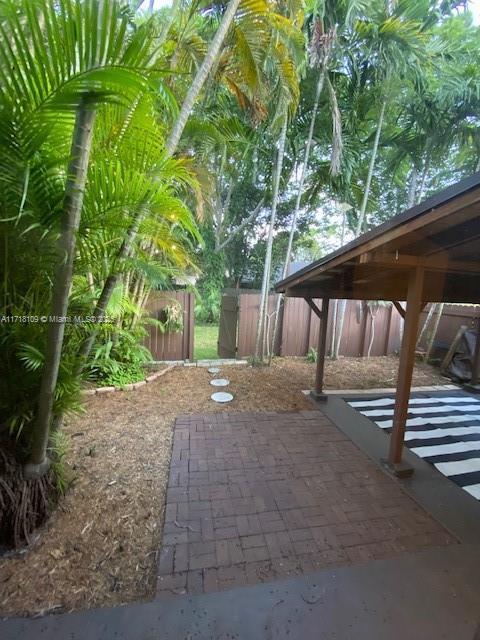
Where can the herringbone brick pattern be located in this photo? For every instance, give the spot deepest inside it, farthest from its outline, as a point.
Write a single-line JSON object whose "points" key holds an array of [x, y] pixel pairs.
{"points": [[258, 496]]}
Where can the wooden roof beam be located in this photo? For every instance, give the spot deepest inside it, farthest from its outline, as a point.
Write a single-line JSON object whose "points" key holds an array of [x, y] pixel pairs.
{"points": [[441, 263]]}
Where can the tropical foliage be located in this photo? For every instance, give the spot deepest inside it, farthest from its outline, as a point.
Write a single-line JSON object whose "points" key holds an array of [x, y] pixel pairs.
{"points": [[219, 139]]}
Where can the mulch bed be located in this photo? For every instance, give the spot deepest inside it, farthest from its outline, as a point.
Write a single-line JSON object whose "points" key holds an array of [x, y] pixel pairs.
{"points": [[99, 548]]}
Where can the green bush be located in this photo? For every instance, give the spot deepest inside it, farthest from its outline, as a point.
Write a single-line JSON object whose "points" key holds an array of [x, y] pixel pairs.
{"points": [[207, 308], [119, 359]]}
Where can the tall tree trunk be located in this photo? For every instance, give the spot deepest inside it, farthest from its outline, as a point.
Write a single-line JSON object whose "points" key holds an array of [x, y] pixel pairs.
{"points": [[340, 322], [298, 201], [372, 334], [412, 188], [335, 307], [201, 76], [433, 334], [150, 6], [430, 313], [426, 168], [72, 209], [366, 193], [268, 253], [361, 218], [171, 147]]}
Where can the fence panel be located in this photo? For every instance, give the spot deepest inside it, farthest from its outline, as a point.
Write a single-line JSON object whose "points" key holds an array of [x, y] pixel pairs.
{"points": [[248, 309], [299, 326], [296, 327], [227, 331], [171, 346]]}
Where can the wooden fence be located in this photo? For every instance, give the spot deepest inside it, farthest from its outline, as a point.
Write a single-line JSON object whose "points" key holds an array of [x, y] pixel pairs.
{"points": [[453, 317], [171, 345], [299, 326]]}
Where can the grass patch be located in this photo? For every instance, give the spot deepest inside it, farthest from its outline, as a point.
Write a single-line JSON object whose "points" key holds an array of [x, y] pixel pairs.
{"points": [[205, 345]]}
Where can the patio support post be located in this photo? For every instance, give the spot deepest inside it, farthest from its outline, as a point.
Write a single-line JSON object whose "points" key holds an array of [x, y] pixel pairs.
{"points": [[318, 394], [405, 373]]}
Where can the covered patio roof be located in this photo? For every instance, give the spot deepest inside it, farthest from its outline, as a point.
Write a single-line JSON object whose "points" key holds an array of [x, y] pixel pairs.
{"points": [[441, 235], [429, 253]]}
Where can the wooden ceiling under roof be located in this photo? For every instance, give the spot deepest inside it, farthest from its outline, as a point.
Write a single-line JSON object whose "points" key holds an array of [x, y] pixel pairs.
{"points": [[441, 235]]}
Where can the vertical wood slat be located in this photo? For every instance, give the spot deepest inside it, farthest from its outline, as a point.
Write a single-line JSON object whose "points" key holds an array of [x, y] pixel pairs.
{"points": [[300, 326], [171, 346]]}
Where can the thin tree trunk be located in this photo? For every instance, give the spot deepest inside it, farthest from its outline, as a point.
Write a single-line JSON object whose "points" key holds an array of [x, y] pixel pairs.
{"points": [[340, 322], [72, 209], [361, 215], [201, 76], [335, 310], [150, 6], [372, 336], [268, 253], [234, 232], [432, 336], [366, 193], [426, 323], [412, 188], [426, 168], [298, 201]]}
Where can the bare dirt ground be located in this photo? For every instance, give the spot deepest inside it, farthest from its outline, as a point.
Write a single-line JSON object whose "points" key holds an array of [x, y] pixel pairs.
{"points": [[99, 547]]}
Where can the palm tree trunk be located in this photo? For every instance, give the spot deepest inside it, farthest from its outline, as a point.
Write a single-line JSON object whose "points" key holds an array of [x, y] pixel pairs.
{"points": [[72, 208], [268, 254], [431, 311], [372, 335], [361, 218], [298, 201], [340, 322], [433, 334], [366, 193], [412, 188], [201, 76], [426, 168]]}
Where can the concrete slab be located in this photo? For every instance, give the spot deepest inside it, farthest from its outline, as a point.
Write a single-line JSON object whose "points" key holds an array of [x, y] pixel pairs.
{"points": [[427, 595]]}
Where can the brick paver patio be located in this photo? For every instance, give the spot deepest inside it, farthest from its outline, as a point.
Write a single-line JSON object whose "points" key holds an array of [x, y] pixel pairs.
{"points": [[259, 496]]}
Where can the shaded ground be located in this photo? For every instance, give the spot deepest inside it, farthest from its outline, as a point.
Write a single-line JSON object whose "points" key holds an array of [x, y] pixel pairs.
{"points": [[205, 343], [100, 545]]}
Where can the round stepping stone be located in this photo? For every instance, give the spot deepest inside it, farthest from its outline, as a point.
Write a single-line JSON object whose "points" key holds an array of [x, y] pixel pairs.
{"points": [[221, 396], [213, 370], [220, 382]]}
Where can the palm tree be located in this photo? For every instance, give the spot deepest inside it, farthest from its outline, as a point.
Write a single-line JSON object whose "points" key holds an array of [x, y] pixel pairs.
{"points": [[39, 94], [394, 47], [70, 220], [209, 61]]}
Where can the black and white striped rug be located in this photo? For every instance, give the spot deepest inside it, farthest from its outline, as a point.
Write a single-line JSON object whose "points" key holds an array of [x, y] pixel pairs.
{"points": [[442, 429]]}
